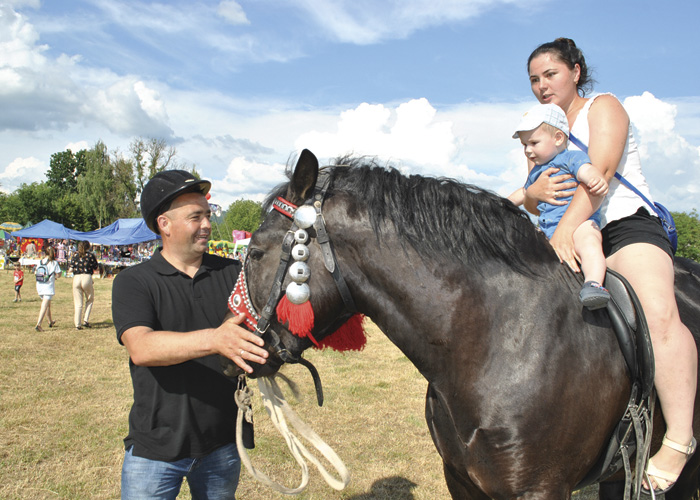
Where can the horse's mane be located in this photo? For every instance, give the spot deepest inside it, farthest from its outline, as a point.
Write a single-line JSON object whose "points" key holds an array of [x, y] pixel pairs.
{"points": [[439, 217]]}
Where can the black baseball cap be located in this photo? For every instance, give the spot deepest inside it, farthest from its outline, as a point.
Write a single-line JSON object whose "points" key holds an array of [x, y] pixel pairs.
{"points": [[163, 188]]}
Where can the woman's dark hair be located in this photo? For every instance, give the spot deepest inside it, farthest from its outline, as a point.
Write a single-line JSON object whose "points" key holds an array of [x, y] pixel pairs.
{"points": [[83, 247], [566, 51]]}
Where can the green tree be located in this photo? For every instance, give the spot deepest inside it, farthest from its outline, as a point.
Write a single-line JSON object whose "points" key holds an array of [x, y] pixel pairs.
{"points": [[64, 170], [69, 211], [688, 228], [125, 190], [33, 203], [96, 186], [151, 156], [11, 208], [242, 215], [107, 187]]}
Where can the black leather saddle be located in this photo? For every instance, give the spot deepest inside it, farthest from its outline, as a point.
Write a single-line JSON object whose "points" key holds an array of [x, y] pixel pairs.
{"points": [[630, 327]]}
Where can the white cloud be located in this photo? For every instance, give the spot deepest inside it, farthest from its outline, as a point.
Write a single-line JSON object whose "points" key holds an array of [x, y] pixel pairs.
{"points": [[38, 92], [407, 134], [246, 179], [368, 21], [19, 171], [232, 12], [74, 147], [670, 163], [51, 100]]}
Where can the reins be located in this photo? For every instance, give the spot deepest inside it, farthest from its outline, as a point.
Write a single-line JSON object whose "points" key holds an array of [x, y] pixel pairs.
{"points": [[277, 407]]}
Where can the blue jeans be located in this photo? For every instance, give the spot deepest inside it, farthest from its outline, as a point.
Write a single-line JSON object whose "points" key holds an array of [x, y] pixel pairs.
{"points": [[214, 477]]}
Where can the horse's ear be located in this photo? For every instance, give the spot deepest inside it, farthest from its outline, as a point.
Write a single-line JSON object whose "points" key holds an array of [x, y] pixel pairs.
{"points": [[304, 178]]}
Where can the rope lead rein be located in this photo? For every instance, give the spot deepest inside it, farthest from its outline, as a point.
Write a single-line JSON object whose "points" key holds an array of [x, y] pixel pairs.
{"points": [[277, 407]]}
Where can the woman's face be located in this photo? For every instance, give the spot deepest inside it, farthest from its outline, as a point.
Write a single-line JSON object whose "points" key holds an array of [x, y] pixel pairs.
{"points": [[551, 80]]}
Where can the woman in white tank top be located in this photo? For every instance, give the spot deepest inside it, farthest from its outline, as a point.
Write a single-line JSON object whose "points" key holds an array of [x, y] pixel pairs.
{"points": [[634, 244]]}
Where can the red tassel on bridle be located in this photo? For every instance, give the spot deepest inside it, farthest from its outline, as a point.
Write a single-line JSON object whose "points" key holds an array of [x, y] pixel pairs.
{"points": [[349, 337], [300, 321], [299, 318]]}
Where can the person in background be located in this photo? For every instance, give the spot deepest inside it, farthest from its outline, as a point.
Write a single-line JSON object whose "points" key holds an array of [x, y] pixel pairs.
{"points": [[46, 273], [634, 241], [171, 314], [19, 281], [30, 249], [61, 253], [83, 265]]}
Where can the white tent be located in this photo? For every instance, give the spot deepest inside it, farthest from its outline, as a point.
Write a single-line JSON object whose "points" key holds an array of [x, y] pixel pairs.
{"points": [[241, 244]]}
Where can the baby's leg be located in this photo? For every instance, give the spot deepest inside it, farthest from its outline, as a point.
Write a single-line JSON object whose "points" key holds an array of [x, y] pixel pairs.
{"points": [[588, 243]]}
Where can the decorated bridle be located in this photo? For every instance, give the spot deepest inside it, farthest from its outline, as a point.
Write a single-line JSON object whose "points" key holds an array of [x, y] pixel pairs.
{"points": [[295, 307]]}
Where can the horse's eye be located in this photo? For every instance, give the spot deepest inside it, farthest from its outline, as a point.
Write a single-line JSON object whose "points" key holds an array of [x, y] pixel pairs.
{"points": [[255, 254]]}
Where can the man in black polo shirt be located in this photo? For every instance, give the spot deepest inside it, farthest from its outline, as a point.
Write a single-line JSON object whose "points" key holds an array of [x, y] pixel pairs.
{"points": [[170, 313]]}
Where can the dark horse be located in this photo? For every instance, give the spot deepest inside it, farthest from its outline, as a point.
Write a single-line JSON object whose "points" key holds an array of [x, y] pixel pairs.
{"points": [[525, 386]]}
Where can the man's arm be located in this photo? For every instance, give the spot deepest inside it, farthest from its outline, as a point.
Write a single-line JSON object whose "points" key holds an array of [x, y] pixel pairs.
{"points": [[147, 347]]}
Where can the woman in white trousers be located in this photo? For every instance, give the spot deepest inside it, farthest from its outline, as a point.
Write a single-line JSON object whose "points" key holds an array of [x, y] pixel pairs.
{"points": [[83, 265]]}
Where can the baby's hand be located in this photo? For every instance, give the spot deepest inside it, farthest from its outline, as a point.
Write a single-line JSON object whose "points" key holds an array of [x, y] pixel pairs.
{"points": [[598, 186]]}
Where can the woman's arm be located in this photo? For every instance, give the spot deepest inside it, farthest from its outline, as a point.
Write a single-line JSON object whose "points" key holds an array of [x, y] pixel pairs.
{"points": [[609, 127], [546, 188]]}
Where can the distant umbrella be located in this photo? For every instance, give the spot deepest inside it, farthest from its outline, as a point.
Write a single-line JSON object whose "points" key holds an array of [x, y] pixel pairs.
{"points": [[10, 226]]}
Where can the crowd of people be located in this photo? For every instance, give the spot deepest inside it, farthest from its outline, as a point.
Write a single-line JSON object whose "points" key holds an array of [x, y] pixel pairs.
{"points": [[52, 259], [49, 260]]}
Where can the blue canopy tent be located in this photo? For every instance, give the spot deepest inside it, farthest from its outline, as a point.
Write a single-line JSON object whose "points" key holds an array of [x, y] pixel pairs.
{"points": [[120, 232], [48, 229]]}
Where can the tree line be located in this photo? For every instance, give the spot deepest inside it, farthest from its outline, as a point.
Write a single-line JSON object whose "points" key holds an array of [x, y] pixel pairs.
{"points": [[92, 188]]}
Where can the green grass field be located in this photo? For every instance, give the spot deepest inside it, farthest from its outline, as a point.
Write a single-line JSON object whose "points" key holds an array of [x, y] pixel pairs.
{"points": [[65, 395]]}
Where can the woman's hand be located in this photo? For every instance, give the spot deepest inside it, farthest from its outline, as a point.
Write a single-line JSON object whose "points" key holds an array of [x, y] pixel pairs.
{"points": [[563, 243], [551, 189]]}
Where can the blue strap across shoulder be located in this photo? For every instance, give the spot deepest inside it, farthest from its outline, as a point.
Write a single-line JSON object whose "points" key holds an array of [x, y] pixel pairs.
{"points": [[624, 181], [664, 214]]}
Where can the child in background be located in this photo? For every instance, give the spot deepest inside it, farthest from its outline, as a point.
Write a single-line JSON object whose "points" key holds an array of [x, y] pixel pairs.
{"points": [[19, 281], [544, 133]]}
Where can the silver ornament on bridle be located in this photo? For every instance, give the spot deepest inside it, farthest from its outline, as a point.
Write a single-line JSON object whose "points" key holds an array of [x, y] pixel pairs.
{"points": [[298, 290], [305, 216], [300, 252]]}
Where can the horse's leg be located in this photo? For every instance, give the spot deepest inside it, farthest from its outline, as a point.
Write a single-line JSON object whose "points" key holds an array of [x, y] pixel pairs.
{"points": [[458, 482], [461, 489]]}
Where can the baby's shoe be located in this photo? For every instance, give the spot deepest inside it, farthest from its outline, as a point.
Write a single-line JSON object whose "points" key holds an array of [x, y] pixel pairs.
{"points": [[593, 295]]}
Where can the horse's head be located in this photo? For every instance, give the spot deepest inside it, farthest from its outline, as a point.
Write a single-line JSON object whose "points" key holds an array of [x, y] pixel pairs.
{"points": [[291, 287]]}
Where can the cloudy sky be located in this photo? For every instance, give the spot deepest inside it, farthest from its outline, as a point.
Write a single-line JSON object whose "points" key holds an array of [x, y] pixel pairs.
{"points": [[237, 86]]}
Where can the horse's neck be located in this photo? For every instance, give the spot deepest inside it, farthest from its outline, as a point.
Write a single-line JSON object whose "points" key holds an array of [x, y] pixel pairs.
{"points": [[413, 300]]}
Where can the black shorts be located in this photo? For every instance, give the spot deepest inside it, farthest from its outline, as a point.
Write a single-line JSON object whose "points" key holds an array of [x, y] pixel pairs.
{"points": [[636, 228], [17, 287]]}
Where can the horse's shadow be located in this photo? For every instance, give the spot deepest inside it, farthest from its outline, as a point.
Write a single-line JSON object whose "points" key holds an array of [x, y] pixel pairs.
{"points": [[388, 488]]}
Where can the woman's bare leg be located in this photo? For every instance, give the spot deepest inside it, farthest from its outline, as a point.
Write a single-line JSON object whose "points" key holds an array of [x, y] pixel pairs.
{"points": [[650, 271]]}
